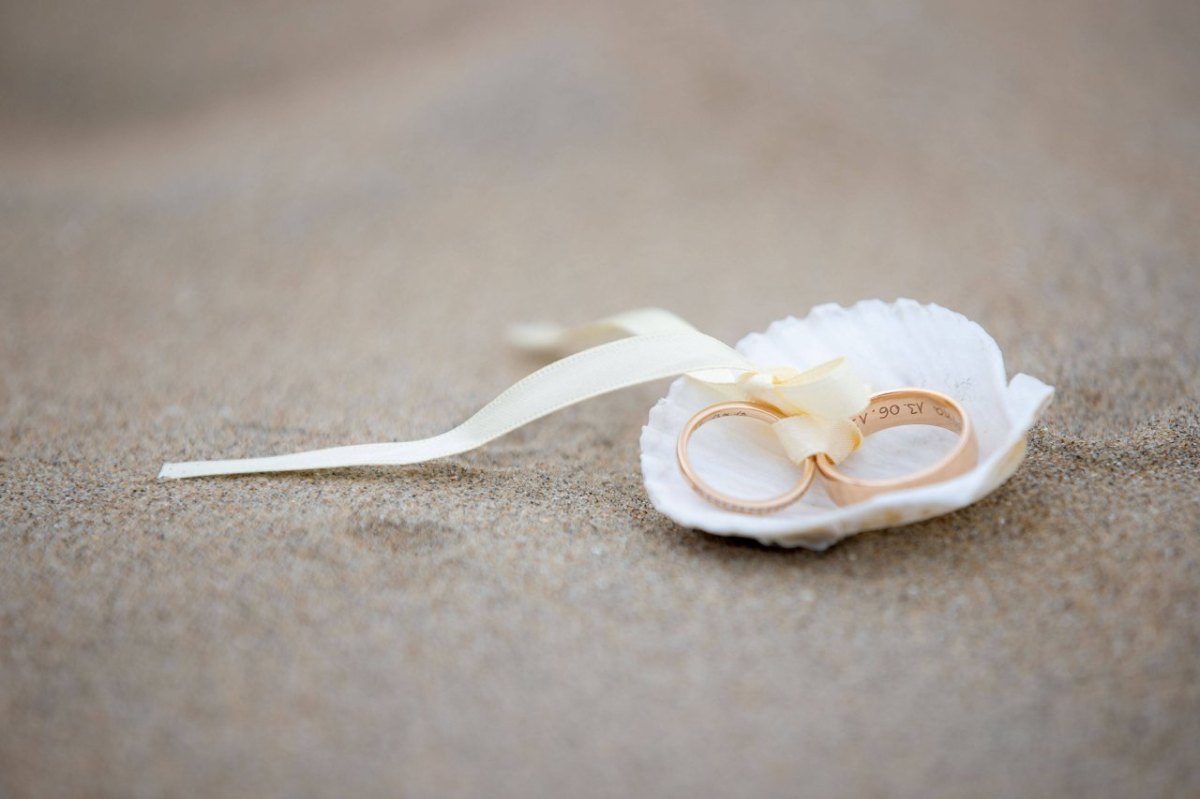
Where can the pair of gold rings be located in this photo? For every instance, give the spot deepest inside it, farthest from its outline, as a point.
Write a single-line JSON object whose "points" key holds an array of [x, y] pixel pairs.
{"points": [[889, 409]]}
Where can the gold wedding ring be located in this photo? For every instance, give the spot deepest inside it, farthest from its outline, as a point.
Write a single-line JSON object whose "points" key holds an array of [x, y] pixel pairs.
{"points": [[750, 410], [902, 407], [886, 410]]}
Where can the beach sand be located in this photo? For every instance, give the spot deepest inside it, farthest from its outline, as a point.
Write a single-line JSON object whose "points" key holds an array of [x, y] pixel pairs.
{"points": [[244, 231]]}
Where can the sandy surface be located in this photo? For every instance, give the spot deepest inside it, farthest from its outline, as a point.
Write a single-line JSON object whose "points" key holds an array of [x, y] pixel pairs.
{"points": [[233, 231]]}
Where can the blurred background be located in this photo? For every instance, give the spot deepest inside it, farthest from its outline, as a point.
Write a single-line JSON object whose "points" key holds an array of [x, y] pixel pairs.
{"points": [[582, 157], [236, 228]]}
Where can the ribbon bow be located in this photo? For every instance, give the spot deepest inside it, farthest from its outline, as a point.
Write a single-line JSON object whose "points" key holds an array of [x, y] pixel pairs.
{"points": [[817, 405]]}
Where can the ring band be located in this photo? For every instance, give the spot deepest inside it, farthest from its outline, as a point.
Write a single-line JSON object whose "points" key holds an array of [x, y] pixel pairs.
{"points": [[755, 506], [903, 407]]}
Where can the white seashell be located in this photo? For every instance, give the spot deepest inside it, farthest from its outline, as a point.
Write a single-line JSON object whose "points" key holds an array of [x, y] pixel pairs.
{"points": [[891, 345]]}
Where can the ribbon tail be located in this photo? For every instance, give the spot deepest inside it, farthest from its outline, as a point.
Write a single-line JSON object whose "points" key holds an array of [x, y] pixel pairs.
{"points": [[547, 338], [599, 370]]}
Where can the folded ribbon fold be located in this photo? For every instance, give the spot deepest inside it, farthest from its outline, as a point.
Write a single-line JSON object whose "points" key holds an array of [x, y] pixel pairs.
{"points": [[817, 403]]}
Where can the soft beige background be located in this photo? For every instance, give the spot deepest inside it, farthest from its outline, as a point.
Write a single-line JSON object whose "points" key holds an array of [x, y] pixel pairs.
{"points": [[231, 228]]}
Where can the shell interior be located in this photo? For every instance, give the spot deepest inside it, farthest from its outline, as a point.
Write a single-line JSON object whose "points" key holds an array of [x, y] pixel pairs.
{"points": [[892, 345]]}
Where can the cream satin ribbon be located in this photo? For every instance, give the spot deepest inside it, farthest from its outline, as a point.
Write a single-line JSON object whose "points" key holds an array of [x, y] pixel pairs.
{"points": [[657, 344]]}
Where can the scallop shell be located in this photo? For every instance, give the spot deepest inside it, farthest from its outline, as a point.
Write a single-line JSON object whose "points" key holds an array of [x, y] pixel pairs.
{"points": [[891, 345]]}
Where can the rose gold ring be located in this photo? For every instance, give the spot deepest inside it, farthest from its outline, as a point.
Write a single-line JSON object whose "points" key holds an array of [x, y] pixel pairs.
{"points": [[752, 410], [894, 409]]}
